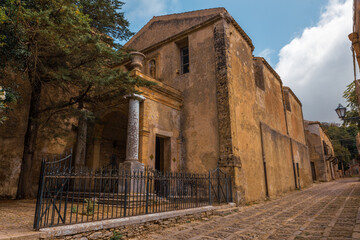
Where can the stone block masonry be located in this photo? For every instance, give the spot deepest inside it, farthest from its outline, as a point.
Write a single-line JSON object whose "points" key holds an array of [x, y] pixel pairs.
{"points": [[103, 229]]}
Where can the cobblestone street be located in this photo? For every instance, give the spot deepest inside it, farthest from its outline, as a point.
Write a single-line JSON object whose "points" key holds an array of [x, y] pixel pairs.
{"points": [[324, 211]]}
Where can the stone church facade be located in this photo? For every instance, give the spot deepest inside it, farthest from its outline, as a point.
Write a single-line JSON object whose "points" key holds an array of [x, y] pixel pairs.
{"points": [[214, 105]]}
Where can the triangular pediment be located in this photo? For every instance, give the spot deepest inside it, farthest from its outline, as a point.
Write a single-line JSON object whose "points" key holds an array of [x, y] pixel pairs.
{"points": [[163, 27]]}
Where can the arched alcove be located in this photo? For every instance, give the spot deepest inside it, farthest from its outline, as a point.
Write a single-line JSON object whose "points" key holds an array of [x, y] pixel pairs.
{"points": [[109, 139]]}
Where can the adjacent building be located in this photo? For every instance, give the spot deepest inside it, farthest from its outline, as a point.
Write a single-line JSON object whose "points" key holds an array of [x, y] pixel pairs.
{"points": [[322, 157]]}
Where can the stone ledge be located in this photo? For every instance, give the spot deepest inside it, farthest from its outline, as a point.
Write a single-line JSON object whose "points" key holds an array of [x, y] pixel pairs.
{"points": [[21, 236], [114, 223]]}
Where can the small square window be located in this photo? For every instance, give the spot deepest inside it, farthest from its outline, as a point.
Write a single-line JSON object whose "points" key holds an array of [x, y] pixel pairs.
{"points": [[184, 53]]}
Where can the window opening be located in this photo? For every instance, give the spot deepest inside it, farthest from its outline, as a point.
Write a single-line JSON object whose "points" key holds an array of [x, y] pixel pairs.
{"points": [[259, 77], [184, 52]]}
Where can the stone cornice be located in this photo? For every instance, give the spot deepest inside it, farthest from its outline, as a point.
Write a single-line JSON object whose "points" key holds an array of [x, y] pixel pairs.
{"points": [[268, 66], [206, 23], [287, 136], [293, 94], [312, 122], [230, 19], [165, 94], [182, 34]]}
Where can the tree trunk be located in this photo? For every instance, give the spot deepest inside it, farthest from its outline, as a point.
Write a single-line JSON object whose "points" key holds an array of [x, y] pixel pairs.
{"points": [[25, 184], [80, 149]]}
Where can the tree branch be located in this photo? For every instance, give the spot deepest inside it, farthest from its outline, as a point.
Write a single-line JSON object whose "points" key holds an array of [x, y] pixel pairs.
{"points": [[71, 102]]}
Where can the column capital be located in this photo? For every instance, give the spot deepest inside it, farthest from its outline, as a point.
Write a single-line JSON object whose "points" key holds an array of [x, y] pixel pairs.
{"points": [[135, 96]]}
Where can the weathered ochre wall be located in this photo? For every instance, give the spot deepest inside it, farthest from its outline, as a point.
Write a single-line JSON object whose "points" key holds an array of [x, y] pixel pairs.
{"points": [[294, 117], [245, 128], [269, 102], [278, 157], [162, 121], [251, 105], [199, 124], [301, 156], [12, 134]]}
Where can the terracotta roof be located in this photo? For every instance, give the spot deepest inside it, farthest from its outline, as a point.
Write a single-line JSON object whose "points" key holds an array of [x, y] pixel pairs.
{"points": [[161, 28]]}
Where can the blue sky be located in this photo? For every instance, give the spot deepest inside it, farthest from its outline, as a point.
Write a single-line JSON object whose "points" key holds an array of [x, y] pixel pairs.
{"points": [[271, 24], [304, 40]]}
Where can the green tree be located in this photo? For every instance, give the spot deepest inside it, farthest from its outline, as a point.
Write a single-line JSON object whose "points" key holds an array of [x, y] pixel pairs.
{"points": [[352, 104], [3, 18], [7, 96], [66, 48], [343, 139]]}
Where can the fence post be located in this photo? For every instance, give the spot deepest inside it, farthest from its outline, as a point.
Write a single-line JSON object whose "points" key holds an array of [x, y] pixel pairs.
{"points": [[227, 189], [39, 195], [196, 191], [147, 192], [210, 202], [231, 196], [218, 185], [125, 194]]}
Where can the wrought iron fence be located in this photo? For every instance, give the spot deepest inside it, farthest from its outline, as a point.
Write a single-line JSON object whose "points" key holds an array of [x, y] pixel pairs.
{"points": [[68, 196]]}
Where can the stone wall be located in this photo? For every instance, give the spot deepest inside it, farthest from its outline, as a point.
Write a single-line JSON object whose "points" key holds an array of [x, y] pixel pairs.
{"points": [[278, 157], [316, 138], [254, 102], [301, 156], [161, 121], [12, 139], [12, 134], [294, 116], [199, 137], [137, 230]]}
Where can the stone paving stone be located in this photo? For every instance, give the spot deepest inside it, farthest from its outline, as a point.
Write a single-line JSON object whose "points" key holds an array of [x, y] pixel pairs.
{"points": [[204, 238], [327, 211], [218, 234], [356, 235], [183, 236]]}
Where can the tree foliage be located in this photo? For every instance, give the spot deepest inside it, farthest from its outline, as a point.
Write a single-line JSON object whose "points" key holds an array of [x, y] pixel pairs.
{"points": [[343, 139], [66, 52]]}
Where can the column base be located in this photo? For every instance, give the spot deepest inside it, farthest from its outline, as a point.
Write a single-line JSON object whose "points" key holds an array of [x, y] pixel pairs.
{"points": [[131, 166], [134, 179]]}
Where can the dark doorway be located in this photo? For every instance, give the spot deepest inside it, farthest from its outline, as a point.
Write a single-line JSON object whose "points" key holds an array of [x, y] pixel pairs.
{"points": [[162, 153], [159, 154], [313, 172]]}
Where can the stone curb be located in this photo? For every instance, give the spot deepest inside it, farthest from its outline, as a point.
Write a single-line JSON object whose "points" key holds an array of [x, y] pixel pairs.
{"points": [[114, 223]]}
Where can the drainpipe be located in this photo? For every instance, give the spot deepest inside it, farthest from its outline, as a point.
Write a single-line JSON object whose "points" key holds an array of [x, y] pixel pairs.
{"points": [[264, 161]]}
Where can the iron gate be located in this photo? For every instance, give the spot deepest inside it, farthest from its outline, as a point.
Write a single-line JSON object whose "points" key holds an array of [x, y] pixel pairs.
{"points": [[68, 196]]}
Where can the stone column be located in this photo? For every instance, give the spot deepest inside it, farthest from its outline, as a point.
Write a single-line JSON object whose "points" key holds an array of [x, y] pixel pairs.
{"points": [[132, 142]]}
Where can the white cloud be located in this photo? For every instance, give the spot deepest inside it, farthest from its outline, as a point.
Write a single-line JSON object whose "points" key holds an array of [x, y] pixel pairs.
{"points": [[266, 53], [138, 12], [318, 64]]}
